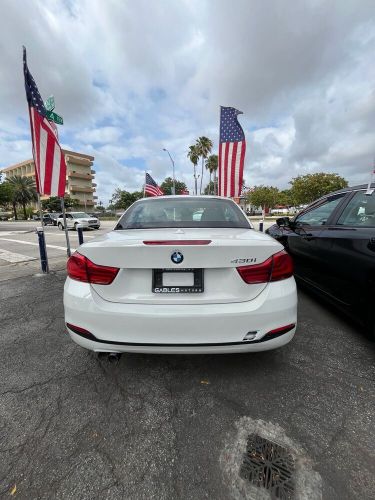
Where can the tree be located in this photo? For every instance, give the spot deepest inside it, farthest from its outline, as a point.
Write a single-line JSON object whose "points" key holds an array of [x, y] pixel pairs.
{"points": [[6, 194], [193, 156], [263, 196], [307, 188], [123, 199], [209, 189], [24, 191], [53, 204], [211, 166], [204, 146], [286, 198], [167, 185]]}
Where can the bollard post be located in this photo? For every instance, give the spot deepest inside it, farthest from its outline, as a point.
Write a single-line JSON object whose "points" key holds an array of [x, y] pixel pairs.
{"points": [[80, 234], [261, 226], [42, 250]]}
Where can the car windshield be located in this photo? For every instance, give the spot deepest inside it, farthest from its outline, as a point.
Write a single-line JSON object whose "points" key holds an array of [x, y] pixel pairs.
{"points": [[80, 215], [182, 212]]}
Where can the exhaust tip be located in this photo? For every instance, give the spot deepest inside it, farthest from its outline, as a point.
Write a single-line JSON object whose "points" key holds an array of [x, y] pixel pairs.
{"points": [[114, 357]]}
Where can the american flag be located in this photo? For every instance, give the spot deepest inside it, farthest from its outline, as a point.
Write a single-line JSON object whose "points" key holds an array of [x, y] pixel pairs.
{"points": [[232, 149], [151, 187], [185, 191], [50, 166]]}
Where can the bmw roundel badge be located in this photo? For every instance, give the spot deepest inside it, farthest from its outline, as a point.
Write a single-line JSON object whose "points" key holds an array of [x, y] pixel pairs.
{"points": [[177, 257]]}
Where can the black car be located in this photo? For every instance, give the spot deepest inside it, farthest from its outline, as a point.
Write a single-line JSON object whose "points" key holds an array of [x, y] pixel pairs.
{"points": [[332, 243], [50, 219]]}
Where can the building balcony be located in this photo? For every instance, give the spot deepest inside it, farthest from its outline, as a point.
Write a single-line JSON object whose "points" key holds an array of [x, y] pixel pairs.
{"points": [[74, 160], [79, 175], [93, 172], [81, 189]]}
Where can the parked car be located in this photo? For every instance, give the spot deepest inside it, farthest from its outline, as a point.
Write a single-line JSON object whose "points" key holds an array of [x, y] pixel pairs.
{"points": [[75, 218], [50, 219], [166, 281], [332, 243]]}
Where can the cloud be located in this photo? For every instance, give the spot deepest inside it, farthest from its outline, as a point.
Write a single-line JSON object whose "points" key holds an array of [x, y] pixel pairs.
{"points": [[131, 78], [100, 135]]}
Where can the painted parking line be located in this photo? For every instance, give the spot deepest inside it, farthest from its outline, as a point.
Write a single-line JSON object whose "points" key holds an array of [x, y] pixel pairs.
{"points": [[56, 247], [63, 234], [14, 257], [9, 233]]}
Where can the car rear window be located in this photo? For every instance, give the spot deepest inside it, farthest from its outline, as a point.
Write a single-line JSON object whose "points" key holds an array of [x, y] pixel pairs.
{"points": [[184, 212]]}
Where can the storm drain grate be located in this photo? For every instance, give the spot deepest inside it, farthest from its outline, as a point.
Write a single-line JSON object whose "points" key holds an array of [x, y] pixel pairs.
{"points": [[268, 465]]}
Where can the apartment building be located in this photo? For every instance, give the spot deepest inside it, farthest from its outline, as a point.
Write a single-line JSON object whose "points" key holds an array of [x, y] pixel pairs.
{"points": [[80, 176]]}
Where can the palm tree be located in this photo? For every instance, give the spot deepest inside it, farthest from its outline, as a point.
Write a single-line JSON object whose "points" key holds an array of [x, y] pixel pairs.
{"points": [[204, 146], [193, 156], [211, 166], [24, 191]]}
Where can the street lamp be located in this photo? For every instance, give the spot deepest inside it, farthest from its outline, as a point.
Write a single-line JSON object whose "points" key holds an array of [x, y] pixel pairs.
{"points": [[174, 182]]}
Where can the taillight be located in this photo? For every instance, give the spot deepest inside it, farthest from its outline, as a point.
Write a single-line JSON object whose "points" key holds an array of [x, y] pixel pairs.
{"points": [[257, 273], [282, 266], [277, 267], [80, 268]]}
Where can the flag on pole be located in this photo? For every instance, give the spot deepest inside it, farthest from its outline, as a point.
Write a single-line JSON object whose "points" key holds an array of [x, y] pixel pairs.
{"points": [[151, 187], [50, 166], [232, 149], [185, 191]]}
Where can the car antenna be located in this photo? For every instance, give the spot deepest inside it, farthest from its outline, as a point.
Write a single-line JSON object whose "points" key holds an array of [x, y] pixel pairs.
{"points": [[370, 190]]}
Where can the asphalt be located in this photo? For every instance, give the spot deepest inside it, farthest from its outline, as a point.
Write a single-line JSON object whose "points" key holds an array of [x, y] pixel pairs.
{"points": [[73, 425]]}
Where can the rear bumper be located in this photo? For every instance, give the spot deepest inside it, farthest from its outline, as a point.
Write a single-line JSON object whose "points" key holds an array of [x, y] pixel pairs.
{"points": [[240, 347], [86, 225], [204, 328]]}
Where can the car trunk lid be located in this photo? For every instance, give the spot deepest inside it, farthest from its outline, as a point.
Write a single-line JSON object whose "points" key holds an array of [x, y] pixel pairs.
{"points": [[218, 252]]}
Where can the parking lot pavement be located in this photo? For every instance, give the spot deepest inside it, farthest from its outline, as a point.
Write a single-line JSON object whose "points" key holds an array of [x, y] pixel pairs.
{"points": [[76, 426], [19, 250]]}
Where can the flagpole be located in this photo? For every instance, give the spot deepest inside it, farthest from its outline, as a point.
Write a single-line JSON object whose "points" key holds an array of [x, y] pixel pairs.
{"points": [[41, 234], [65, 227], [144, 187], [369, 191]]}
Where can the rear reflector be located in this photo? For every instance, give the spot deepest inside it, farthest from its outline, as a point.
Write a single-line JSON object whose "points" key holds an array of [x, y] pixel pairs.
{"points": [[177, 242], [277, 267], [78, 329], [80, 268], [282, 330]]}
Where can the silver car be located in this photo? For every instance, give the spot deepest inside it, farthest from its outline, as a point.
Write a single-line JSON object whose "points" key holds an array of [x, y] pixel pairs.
{"points": [[75, 218]]}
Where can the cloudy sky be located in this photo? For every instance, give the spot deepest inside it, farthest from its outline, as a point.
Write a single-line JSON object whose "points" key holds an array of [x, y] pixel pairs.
{"points": [[131, 77]]}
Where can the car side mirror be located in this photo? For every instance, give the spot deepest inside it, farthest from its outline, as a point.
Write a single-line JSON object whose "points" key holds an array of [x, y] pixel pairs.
{"points": [[283, 221]]}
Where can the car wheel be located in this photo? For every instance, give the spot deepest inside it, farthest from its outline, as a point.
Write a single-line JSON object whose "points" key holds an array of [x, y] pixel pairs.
{"points": [[61, 227]]}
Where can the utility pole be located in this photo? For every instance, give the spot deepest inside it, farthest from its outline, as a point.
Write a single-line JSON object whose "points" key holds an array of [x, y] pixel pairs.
{"points": [[174, 180]]}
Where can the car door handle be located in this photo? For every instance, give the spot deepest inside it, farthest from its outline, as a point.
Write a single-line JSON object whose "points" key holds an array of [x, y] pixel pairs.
{"points": [[308, 236]]}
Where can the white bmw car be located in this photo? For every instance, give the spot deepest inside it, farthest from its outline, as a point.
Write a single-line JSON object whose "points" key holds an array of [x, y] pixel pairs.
{"points": [[181, 274]]}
